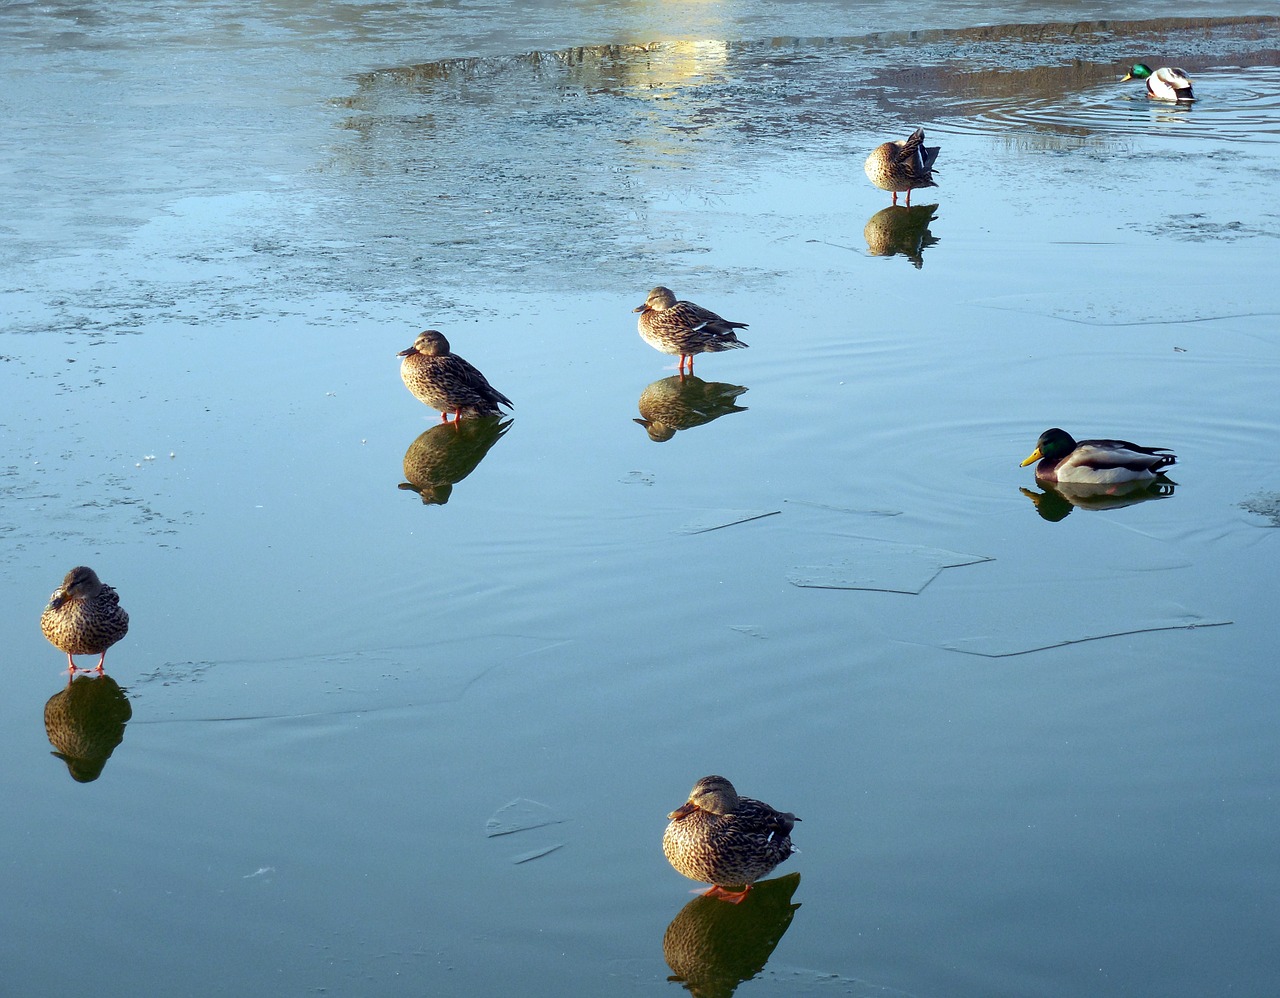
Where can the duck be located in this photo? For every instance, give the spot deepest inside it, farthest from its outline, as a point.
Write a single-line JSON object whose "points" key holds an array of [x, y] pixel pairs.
{"points": [[683, 328], [728, 841], [1096, 462], [1165, 83], [84, 617], [445, 381], [902, 166]]}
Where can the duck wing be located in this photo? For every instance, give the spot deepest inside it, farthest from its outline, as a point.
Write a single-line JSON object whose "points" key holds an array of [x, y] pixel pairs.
{"points": [[915, 158], [699, 318], [469, 375], [1121, 454]]}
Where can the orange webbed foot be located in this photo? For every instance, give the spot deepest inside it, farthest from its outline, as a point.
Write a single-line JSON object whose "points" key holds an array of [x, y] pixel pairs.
{"points": [[724, 894]]}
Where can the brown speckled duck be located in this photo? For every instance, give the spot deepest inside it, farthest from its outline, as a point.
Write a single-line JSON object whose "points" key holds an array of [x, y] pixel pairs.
{"points": [[683, 328], [445, 381], [726, 840], [84, 617], [902, 166]]}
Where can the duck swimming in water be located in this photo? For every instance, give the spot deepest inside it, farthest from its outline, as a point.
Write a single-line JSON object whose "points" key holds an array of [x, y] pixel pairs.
{"points": [[1165, 83], [1096, 462]]}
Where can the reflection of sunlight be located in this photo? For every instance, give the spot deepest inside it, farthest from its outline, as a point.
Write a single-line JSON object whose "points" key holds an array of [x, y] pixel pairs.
{"points": [[660, 78], [670, 63]]}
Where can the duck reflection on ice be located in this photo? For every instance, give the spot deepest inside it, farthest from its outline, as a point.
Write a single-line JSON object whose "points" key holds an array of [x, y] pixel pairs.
{"points": [[85, 722], [1059, 498], [712, 947], [447, 453], [900, 230], [680, 403]]}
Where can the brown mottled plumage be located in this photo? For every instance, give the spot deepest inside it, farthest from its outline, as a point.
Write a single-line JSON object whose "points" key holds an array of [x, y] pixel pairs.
{"points": [[85, 722], [445, 381], [902, 166], [84, 617], [726, 840], [683, 328]]}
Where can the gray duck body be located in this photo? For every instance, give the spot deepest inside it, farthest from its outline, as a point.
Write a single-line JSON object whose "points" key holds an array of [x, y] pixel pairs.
{"points": [[84, 616], [720, 838], [447, 382]]}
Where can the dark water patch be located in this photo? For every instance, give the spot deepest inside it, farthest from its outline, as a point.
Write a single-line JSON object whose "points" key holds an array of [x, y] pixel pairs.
{"points": [[596, 137], [1063, 108]]}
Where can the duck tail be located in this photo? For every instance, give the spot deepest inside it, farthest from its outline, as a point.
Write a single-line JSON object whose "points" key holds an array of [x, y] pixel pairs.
{"points": [[726, 341]]}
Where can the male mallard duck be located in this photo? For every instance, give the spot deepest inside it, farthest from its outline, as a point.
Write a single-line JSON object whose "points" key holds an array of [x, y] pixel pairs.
{"points": [[1164, 83], [445, 381], [1096, 462], [902, 166], [681, 327], [84, 617], [726, 840]]}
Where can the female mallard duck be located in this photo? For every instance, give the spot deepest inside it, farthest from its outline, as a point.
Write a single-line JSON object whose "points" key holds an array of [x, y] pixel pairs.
{"points": [[681, 327], [1096, 462], [726, 840], [84, 617], [1164, 83], [902, 166], [445, 381]]}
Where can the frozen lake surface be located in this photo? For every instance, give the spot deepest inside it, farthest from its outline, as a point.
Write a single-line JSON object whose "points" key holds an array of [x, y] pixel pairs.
{"points": [[403, 711]]}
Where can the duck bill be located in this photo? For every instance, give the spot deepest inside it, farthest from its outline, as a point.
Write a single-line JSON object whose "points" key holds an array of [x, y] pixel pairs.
{"points": [[683, 811], [642, 308], [1035, 456], [1128, 77], [405, 353]]}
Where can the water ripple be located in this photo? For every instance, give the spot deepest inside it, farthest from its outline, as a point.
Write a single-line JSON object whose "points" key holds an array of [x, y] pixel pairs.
{"points": [[1233, 105]]}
